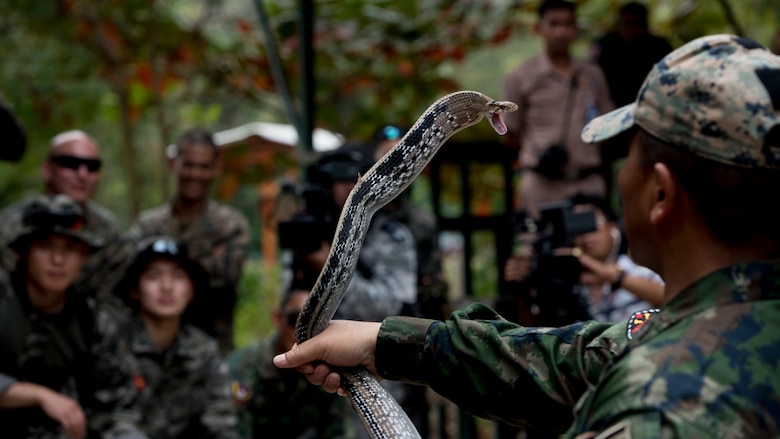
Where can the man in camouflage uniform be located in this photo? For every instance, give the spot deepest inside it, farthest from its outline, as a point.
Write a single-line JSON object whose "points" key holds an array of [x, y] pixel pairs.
{"points": [[51, 337], [705, 146], [277, 402], [216, 235], [71, 168]]}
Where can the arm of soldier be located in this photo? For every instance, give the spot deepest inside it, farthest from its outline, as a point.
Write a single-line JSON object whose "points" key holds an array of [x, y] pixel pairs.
{"points": [[66, 411], [219, 413], [224, 256], [386, 278], [496, 369]]}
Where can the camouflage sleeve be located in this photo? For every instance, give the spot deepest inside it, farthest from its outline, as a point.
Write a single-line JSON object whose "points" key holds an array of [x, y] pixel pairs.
{"points": [[499, 370], [219, 414], [386, 277], [223, 250]]}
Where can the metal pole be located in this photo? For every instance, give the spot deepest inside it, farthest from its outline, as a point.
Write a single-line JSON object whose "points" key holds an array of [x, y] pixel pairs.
{"points": [[307, 74]]}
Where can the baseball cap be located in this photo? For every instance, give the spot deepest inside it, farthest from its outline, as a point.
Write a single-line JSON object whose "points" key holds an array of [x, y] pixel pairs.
{"points": [[50, 214], [160, 246], [717, 96]]}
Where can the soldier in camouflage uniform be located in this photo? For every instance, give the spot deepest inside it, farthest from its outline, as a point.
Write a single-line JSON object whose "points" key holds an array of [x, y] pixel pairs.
{"points": [[705, 146], [51, 337], [216, 235], [179, 384], [72, 168], [277, 402]]}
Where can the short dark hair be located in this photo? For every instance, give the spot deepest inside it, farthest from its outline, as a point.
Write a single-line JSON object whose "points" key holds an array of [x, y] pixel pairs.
{"points": [[636, 9], [597, 201], [731, 200], [549, 5], [196, 136]]}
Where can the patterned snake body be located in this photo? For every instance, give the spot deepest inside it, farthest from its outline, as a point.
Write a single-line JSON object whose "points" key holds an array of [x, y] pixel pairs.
{"points": [[393, 173]]}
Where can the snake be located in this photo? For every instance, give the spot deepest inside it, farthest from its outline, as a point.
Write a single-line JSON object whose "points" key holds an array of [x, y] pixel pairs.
{"points": [[386, 179]]}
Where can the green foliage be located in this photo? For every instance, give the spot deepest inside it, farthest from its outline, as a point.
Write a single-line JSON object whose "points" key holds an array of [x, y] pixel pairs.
{"points": [[258, 294]]}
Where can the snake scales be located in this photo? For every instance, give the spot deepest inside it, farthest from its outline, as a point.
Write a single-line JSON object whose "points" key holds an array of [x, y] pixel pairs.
{"points": [[393, 173]]}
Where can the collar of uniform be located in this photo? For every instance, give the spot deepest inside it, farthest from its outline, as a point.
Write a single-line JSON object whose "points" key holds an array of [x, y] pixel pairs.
{"points": [[141, 341], [546, 67], [747, 282]]}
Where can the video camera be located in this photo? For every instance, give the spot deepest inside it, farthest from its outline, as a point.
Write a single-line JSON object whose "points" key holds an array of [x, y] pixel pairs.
{"points": [[554, 276], [316, 221]]}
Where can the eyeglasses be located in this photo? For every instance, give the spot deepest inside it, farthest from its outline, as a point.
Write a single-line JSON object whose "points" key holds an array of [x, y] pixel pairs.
{"points": [[292, 317], [166, 247], [75, 163]]}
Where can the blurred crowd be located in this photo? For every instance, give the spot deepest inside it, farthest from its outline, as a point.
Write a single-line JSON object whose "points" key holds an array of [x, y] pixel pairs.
{"points": [[115, 333]]}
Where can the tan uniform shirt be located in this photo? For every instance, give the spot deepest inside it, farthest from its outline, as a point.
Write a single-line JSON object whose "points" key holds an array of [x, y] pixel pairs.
{"points": [[542, 95]]}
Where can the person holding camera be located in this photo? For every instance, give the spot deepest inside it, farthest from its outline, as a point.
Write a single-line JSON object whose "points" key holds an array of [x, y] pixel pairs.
{"points": [[556, 96], [385, 280], [613, 285], [588, 274]]}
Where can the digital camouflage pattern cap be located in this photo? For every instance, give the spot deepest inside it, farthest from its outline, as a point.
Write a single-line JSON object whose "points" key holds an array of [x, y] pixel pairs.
{"points": [[60, 214], [716, 96]]}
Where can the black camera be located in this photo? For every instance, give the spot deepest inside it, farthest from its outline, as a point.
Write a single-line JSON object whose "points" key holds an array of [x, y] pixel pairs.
{"points": [[313, 224], [549, 288], [552, 161], [316, 221]]}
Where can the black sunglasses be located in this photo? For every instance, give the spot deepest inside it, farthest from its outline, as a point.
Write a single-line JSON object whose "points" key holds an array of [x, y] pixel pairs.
{"points": [[73, 162], [292, 317]]}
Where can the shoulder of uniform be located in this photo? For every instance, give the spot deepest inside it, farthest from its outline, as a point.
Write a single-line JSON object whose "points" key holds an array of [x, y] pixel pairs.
{"points": [[226, 211], [153, 214], [394, 228]]}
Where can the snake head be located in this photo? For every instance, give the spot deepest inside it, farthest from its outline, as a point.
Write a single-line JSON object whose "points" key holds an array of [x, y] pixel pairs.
{"points": [[494, 110]]}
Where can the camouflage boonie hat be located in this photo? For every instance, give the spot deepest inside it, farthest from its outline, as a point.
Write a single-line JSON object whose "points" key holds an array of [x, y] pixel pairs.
{"points": [[716, 96], [60, 214]]}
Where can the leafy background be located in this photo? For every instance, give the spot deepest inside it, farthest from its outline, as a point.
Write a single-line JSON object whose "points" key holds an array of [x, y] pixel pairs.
{"points": [[136, 73]]}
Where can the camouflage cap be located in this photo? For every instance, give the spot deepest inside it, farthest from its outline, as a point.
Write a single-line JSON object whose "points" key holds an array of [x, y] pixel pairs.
{"points": [[60, 214], [717, 97]]}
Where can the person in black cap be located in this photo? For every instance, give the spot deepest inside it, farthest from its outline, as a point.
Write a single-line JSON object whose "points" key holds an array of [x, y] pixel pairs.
{"points": [[180, 387], [50, 335]]}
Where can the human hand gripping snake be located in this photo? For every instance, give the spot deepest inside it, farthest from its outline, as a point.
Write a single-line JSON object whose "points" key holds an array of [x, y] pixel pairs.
{"points": [[393, 173]]}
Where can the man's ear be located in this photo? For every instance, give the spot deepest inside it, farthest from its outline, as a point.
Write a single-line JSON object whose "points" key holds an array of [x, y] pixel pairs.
{"points": [[665, 193], [46, 171]]}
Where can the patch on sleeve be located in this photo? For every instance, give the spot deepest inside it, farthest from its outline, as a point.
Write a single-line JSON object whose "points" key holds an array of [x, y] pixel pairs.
{"points": [[139, 382], [638, 320], [240, 393]]}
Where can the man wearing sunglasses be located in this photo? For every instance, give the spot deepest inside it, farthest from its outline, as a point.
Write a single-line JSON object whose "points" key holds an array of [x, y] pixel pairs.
{"points": [[72, 167]]}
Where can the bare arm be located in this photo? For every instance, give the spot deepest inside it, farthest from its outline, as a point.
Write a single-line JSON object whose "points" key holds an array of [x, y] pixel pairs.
{"points": [[62, 409]]}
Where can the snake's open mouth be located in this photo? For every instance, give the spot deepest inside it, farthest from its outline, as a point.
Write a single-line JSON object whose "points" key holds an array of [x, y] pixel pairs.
{"points": [[497, 123]]}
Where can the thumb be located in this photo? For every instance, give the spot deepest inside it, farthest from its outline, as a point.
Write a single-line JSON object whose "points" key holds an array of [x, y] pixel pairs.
{"points": [[295, 357]]}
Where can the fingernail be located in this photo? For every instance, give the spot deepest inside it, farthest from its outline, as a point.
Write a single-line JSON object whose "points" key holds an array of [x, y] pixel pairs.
{"points": [[280, 360]]}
